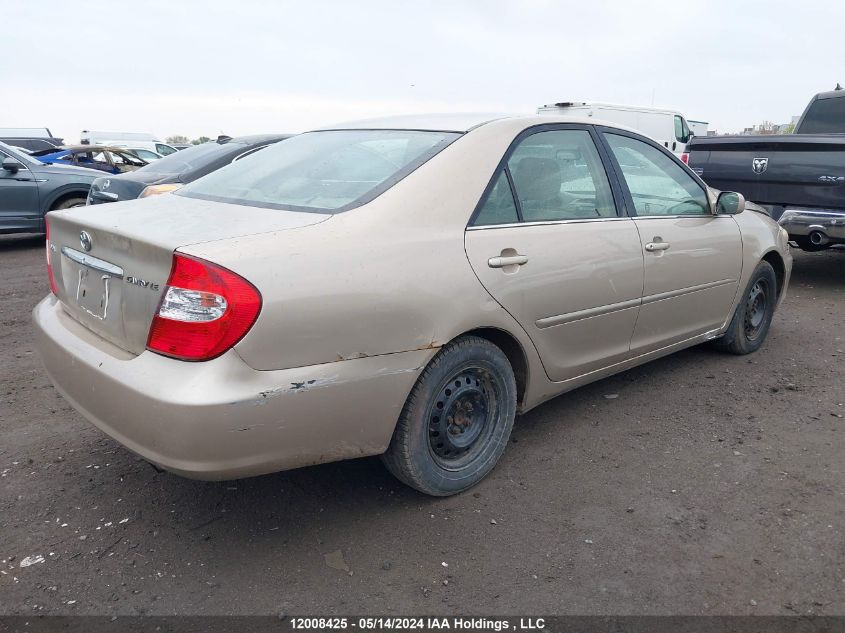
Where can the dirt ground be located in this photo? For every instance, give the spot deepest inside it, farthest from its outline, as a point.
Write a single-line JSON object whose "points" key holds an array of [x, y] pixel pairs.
{"points": [[710, 484]]}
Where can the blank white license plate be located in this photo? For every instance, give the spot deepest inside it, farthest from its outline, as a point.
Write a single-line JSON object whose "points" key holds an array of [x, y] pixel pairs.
{"points": [[97, 282]]}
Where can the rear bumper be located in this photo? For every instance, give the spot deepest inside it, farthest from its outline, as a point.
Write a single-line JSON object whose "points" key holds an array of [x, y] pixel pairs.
{"points": [[222, 419], [802, 222]]}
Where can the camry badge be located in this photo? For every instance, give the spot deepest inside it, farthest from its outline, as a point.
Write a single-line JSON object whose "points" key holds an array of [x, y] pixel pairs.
{"points": [[85, 241], [106, 184], [759, 165]]}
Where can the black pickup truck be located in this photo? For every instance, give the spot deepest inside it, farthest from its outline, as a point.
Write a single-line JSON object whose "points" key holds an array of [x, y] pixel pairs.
{"points": [[798, 178]]}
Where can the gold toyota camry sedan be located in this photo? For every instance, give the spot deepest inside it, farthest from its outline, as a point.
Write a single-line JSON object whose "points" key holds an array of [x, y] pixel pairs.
{"points": [[399, 287]]}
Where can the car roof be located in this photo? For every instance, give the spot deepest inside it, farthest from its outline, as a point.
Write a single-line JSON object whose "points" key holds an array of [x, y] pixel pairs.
{"points": [[440, 122], [831, 94], [257, 138], [464, 122], [90, 148]]}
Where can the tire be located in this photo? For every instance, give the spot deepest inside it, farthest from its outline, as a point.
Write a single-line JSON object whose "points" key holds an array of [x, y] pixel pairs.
{"points": [[805, 244], [69, 203], [753, 316], [457, 419]]}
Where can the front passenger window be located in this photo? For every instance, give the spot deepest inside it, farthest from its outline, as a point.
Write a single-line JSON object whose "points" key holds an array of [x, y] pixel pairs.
{"points": [[658, 185]]}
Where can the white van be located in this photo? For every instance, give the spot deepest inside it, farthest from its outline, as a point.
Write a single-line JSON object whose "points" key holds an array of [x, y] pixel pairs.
{"points": [[699, 128], [133, 140], [667, 127]]}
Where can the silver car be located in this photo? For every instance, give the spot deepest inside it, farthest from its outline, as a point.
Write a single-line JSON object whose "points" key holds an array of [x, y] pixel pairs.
{"points": [[401, 287]]}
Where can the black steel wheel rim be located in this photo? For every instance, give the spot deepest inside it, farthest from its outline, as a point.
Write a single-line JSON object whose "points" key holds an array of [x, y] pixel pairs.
{"points": [[462, 416], [756, 308]]}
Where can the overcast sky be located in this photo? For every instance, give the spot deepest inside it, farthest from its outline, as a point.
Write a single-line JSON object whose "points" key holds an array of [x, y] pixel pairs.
{"points": [[243, 66]]}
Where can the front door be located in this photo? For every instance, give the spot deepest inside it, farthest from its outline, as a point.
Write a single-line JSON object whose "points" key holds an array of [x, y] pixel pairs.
{"points": [[19, 208], [693, 258], [548, 244]]}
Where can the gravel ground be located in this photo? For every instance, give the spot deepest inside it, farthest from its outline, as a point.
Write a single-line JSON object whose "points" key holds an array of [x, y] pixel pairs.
{"points": [[710, 484]]}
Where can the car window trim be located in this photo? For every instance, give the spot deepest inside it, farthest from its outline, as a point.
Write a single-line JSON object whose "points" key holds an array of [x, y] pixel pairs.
{"points": [[249, 152], [517, 203], [602, 130], [619, 201], [510, 225]]}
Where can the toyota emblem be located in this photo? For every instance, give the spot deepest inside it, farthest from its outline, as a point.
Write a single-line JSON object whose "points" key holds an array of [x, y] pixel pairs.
{"points": [[85, 241]]}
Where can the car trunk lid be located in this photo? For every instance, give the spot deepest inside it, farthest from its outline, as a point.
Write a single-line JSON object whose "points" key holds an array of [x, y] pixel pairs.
{"points": [[124, 186], [111, 262]]}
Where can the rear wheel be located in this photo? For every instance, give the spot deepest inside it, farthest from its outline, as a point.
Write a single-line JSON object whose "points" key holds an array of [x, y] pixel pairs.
{"points": [[69, 203], [805, 244], [753, 316], [457, 420]]}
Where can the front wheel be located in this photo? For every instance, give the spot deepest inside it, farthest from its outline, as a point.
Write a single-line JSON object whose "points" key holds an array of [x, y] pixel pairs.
{"points": [[457, 420], [753, 316]]}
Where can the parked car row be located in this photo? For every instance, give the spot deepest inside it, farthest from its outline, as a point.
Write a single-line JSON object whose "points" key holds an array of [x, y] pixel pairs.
{"points": [[102, 158], [29, 139], [129, 140], [180, 168], [34, 183]]}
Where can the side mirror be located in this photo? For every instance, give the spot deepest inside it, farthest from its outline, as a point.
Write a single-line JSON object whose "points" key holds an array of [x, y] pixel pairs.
{"points": [[730, 203], [11, 164]]}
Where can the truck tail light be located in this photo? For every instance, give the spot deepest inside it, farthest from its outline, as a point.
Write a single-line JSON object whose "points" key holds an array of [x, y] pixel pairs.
{"points": [[205, 310], [685, 158], [53, 288]]}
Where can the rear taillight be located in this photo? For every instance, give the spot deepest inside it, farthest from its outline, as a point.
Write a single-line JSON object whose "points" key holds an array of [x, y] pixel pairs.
{"points": [[685, 158], [53, 288], [205, 310]]}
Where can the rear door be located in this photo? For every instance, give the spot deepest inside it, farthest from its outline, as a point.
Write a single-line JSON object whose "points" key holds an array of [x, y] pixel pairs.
{"points": [[550, 244], [693, 259]]}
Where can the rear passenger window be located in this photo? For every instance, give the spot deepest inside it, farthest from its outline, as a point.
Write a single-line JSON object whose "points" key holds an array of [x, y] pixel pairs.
{"points": [[499, 208], [558, 175]]}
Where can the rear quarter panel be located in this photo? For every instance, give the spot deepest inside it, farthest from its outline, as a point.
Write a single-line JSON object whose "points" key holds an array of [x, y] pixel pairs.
{"points": [[387, 277]]}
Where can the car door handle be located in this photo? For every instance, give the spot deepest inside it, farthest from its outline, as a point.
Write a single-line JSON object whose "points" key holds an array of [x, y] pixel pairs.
{"points": [[651, 247], [507, 260]]}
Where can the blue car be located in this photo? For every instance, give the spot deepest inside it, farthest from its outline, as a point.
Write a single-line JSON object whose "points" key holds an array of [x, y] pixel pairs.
{"points": [[112, 160]]}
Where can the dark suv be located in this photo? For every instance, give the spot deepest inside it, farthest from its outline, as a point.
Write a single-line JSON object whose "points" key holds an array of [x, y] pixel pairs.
{"points": [[30, 188]]}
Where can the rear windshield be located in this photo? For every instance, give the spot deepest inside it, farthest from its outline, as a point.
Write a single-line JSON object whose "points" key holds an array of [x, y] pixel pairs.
{"points": [[825, 116], [328, 171], [193, 158]]}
